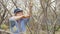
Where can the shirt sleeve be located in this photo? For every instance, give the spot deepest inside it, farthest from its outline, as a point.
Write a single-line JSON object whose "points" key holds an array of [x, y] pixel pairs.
{"points": [[12, 21], [26, 20]]}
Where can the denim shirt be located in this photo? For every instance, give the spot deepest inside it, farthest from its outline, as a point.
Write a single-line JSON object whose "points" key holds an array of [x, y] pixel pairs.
{"points": [[20, 24]]}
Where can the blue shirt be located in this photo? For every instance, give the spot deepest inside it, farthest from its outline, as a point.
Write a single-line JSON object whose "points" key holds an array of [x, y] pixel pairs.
{"points": [[20, 24]]}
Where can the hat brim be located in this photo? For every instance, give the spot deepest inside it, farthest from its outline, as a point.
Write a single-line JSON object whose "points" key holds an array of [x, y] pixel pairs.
{"points": [[19, 11]]}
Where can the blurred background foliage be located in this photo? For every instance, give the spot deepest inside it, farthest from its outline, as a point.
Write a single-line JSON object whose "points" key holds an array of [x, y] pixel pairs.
{"points": [[45, 17]]}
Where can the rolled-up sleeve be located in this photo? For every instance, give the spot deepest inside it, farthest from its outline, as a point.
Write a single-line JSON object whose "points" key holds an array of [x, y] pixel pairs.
{"points": [[11, 19]]}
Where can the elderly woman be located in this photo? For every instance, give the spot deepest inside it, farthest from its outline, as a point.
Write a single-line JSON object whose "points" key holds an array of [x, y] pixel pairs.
{"points": [[18, 22]]}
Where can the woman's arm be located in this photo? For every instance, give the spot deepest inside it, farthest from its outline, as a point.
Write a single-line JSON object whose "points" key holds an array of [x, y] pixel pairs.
{"points": [[28, 15], [17, 17]]}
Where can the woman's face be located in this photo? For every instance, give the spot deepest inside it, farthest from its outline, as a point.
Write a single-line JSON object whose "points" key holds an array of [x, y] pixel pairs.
{"points": [[19, 13]]}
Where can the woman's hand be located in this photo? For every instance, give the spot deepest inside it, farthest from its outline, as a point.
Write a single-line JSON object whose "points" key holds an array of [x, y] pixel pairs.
{"points": [[19, 17]]}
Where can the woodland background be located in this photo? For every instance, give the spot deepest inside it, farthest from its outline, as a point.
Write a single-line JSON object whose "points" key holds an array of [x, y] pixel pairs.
{"points": [[45, 17]]}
